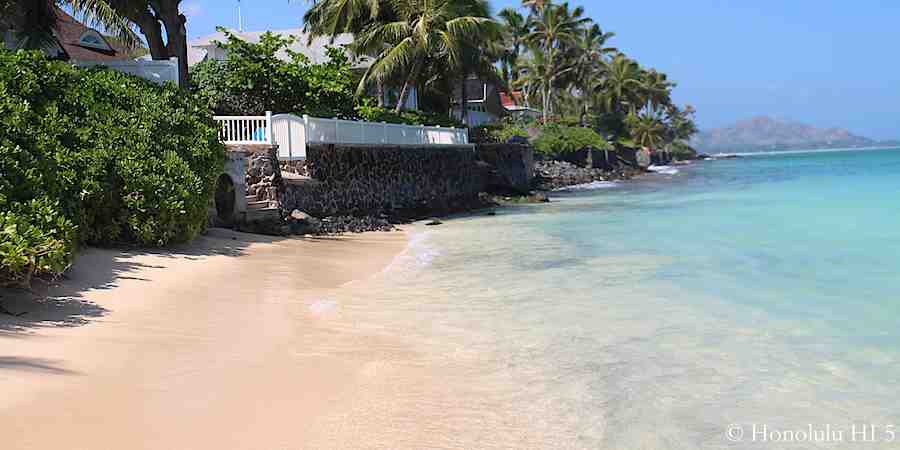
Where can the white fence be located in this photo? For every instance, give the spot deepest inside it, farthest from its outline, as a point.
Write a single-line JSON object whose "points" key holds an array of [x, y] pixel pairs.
{"points": [[245, 130], [292, 134], [157, 71]]}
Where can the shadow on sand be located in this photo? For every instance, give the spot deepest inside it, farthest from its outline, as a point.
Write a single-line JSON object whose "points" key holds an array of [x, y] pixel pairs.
{"points": [[63, 303], [38, 365]]}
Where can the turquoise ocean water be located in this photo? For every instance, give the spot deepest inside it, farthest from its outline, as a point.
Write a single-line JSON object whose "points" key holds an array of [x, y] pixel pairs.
{"points": [[750, 303]]}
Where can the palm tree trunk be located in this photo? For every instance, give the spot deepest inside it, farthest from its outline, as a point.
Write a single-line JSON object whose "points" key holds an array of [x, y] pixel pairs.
{"points": [[464, 101], [380, 89], [407, 86]]}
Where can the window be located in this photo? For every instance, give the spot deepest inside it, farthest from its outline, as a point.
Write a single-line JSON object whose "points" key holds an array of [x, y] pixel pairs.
{"points": [[93, 39]]}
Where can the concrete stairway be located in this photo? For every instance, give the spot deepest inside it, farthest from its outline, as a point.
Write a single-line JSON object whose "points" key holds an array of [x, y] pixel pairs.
{"points": [[258, 210]]}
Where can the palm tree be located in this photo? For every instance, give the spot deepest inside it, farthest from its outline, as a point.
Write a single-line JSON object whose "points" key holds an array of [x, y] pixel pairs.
{"points": [[622, 88], [423, 29], [657, 89], [590, 66], [554, 27], [515, 29], [334, 17], [647, 129]]}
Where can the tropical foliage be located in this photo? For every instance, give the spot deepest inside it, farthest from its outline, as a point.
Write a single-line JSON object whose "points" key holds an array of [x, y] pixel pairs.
{"points": [[558, 139], [253, 80], [99, 157], [558, 58]]}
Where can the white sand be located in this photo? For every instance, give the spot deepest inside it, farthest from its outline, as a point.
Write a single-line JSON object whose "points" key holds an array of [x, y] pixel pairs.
{"points": [[203, 347]]}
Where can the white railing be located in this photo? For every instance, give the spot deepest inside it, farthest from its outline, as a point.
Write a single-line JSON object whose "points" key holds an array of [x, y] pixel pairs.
{"points": [[293, 133], [244, 130]]}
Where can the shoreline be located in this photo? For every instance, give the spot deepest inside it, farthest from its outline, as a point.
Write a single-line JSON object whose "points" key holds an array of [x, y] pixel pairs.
{"points": [[210, 345]]}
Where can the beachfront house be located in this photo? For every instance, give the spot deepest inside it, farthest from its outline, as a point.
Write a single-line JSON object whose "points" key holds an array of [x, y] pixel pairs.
{"points": [[482, 102], [81, 45], [206, 47], [514, 103], [72, 41]]}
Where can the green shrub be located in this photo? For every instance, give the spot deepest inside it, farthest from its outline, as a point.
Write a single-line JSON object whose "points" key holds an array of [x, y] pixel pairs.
{"points": [[117, 158], [35, 237], [498, 132], [557, 139], [253, 80], [681, 150], [370, 112]]}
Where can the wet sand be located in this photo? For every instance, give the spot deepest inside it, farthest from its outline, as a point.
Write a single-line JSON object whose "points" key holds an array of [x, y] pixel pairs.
{"points": [[215, 345]]}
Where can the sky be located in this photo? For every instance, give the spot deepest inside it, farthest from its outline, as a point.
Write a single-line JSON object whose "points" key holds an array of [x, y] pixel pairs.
{"points": [[829, 63]]}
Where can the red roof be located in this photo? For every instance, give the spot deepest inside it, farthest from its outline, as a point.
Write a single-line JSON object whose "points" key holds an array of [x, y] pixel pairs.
{"points": [[513, 99], [69, 32]]}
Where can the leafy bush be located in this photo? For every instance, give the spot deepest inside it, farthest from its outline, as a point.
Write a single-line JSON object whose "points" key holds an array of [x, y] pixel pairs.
{"points": [[96, 156], [369, 112], [558, 139], [498, 132], [253, 80], [681, 150], [35, 237]]}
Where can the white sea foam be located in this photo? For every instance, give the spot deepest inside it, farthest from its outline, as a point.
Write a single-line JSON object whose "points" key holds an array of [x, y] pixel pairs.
{"points": [[593, 185], [419, 252], [664, 170]]}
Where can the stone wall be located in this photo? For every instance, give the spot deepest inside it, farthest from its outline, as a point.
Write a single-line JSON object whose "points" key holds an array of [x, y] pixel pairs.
{"points": [[512, 166], [589, 158], [397, 182]]}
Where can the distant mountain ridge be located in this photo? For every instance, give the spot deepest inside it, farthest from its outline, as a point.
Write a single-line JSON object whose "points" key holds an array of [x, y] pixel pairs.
{"points": [[768, 134]]}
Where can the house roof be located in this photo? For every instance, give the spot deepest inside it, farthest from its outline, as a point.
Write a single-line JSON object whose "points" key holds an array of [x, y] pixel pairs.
{"points": [[316, 50], [69, 34]]}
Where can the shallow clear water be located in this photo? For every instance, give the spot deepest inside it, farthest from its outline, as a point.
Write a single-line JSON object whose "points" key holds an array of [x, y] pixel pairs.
{"points": [[758, 294]]}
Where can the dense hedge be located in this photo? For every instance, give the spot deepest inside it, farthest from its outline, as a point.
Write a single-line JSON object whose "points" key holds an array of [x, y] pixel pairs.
{"points": [[254, 79], [558, 139], [498, 133], [99, 157]]}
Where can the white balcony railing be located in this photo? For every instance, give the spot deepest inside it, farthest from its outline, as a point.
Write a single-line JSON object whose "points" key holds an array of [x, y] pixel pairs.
{"points": [[245, 130]]}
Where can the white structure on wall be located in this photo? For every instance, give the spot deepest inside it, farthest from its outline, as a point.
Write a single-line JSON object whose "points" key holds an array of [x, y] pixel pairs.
{"points": [[157, 71], [292, 133]]}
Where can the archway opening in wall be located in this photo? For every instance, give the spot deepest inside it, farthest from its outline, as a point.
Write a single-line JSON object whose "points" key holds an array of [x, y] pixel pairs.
{"points": [[225, 199]]}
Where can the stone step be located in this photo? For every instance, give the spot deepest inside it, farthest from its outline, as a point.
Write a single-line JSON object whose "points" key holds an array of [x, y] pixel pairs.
{"points": [[256, 215], [252, 198], [257, 205]]}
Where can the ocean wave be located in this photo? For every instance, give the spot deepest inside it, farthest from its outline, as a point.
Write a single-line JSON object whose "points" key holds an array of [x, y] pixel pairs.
{"points": [[418, 253], [588, 186], [664, 170]]}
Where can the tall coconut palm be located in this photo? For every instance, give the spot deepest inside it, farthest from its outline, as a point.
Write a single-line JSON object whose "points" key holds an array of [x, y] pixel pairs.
{"points": [[554, 27], [647, 129], [423, 29], [334, 17], [515, 30], [478, 52], [622, 87], [589, 55], [656, 89]]}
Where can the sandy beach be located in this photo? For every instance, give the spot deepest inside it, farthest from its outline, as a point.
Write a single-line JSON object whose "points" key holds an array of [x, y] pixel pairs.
{"points": [[213, 345]]}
